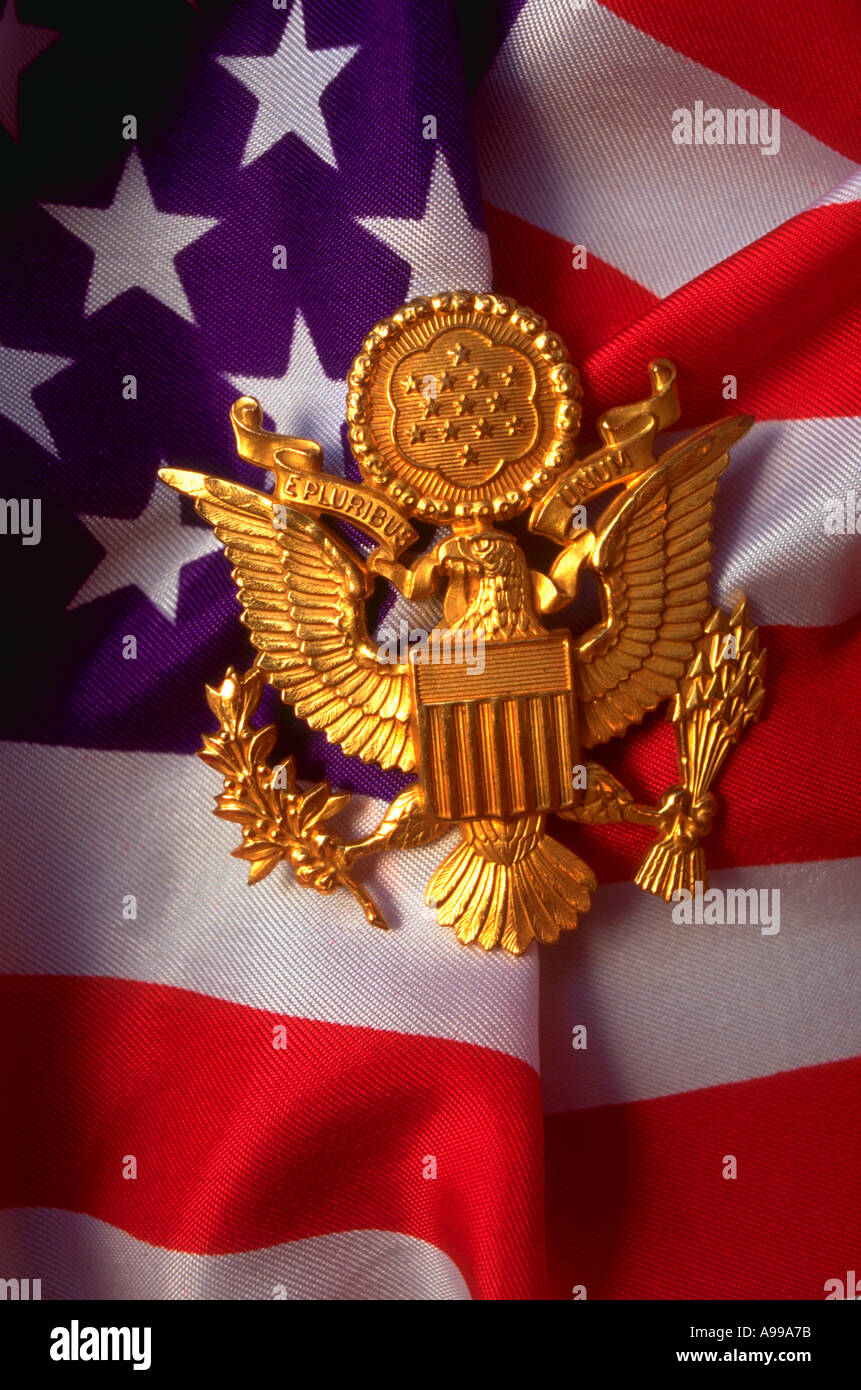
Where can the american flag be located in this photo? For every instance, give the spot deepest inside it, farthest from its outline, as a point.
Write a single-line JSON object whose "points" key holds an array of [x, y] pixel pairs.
{"points": [[205, 201]]}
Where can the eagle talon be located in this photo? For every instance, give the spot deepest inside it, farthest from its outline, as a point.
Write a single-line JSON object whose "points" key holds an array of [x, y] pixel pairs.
{"points": [[683, 819]]}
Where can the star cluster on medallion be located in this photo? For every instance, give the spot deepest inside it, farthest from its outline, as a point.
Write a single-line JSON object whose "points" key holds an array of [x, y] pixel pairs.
{"points": [[463, 404]]}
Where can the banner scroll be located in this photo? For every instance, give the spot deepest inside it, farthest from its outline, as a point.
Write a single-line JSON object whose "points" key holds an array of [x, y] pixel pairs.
{"points": [[301, 482], [629, 434]]}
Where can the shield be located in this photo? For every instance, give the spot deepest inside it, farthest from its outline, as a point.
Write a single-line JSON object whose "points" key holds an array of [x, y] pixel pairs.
{"points": [[499, 740]]}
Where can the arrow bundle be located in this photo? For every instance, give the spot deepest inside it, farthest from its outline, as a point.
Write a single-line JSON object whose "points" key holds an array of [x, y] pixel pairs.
{"points": [[720, 694]]}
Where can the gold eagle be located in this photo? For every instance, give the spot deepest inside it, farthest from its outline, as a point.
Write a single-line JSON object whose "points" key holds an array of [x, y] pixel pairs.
{"points": [[303, 592]]}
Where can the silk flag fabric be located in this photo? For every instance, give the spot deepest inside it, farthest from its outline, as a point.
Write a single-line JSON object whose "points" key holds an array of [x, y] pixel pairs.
{"points": [[432, 1126]]}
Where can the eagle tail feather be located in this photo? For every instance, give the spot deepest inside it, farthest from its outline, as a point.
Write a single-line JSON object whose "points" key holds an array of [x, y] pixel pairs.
{"points": [[508, 883]]}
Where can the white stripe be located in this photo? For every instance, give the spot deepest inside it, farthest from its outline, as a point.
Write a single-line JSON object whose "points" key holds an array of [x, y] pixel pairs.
{"points": [[849, 191], [671, 1008], [79, 1257], [770, 519], [91, 827], [574, 133]]}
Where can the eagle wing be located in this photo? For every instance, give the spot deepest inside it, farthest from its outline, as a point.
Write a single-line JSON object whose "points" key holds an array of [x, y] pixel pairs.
{"points": [[652, 552], [303, 594]]}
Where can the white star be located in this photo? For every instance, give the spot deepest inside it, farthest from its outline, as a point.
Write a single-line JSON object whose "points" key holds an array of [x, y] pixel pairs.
{"points": [[21, 372], [304, 401], [443, 248], [288, 85], [134, 243], [147, 551]]}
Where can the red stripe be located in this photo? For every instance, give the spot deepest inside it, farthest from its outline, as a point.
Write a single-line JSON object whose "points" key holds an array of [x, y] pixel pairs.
{"points": [[788, 791], [804, 60], [637, 1206], [586, 307], [782, 316], [240, 1146]]}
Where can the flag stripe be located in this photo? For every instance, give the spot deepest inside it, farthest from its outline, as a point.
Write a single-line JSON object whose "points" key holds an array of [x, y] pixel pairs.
{"points": [[812, 82], [781, 316], [199, 926], [638, 1207], [586, 305], [670, 1007], [594, 145], [240, 1144], [788, 523], [79, 1257]]}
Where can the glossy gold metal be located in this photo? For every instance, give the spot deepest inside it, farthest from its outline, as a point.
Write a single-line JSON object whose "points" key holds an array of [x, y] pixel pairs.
{"points": [[278, 820], [462, 406], [720, 694], [462, 411]]}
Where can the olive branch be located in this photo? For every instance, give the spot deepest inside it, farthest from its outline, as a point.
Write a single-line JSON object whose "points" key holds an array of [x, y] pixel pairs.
{"points": [[279, 820]]}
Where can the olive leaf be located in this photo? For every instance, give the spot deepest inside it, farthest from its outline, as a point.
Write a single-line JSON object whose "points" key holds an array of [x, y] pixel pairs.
{"points": [[277, 818]]}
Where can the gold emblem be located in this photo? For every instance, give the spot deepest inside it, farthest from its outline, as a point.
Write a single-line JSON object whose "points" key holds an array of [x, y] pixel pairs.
{"points": [[463, 411]]}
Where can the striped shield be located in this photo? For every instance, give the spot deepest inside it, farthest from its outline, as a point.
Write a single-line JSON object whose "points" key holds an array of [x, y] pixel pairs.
{"points": [[498, 740]]}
